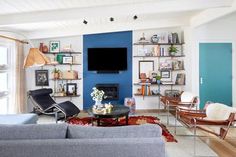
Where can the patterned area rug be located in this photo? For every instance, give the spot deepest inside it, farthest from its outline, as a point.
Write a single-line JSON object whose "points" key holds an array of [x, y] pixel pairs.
{"points": [[134, 120]]}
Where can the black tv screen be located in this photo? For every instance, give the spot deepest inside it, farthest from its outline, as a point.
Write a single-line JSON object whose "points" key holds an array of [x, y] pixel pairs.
{"points": [[107, 59]]}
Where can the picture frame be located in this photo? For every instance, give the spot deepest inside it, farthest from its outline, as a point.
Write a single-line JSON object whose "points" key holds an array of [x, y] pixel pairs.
{"points": [[165, 65], [180, 79], [145, 67], [54, 46], [71, 89], [67, 60], [177, 65], [41, 78], [166, 76]]}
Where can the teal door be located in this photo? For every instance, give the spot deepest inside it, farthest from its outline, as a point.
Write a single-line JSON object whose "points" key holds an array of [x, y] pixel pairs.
{"points": [[215, 61]]}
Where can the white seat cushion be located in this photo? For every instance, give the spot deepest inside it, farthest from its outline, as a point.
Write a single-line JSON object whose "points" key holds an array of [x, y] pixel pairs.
{"points": [[187, 97], [217, 111]]}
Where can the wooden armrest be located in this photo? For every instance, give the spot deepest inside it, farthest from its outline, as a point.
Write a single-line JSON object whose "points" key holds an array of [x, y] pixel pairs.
{"points": [[185, 103], [191, 114], [209, 122], [189, 110]]}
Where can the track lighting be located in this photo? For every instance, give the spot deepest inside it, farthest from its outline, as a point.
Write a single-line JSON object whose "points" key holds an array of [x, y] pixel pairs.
{"points": [[135, 17], [85, 22], [111, 19]]}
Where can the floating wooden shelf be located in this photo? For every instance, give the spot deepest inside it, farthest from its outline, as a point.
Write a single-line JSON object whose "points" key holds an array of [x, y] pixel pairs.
{"points": [[63, 53], [171, 70], [161, 56], [147, 95], [62, 64], [155, 84], [158, 43], [65, 79]]}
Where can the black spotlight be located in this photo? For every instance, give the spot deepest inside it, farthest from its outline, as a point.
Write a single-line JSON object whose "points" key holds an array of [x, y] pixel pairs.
{"points": [[85, 22], [111, 19], [135, 17]]}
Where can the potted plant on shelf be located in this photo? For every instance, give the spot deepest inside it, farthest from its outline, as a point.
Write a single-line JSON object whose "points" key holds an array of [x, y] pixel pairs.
{"points": [[158, 78], [172, 50], [56, 73]]}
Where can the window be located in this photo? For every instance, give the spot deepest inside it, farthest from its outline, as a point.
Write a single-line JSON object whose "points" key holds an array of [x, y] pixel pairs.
{"points": [[4, 77]]}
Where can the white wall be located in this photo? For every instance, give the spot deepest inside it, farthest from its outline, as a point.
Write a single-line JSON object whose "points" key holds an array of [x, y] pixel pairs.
{"points": [[221, 30], [77, 45], [153, 102]]}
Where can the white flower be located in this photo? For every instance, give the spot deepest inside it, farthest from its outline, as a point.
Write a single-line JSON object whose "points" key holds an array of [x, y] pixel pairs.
{"points": [[97, 94]]}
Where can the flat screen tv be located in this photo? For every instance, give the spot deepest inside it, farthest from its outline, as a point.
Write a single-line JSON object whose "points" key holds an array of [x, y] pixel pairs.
{"points": [[107, 59]]}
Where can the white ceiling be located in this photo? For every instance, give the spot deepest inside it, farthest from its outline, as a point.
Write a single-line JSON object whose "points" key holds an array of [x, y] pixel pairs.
{"points": [[50, 18]]}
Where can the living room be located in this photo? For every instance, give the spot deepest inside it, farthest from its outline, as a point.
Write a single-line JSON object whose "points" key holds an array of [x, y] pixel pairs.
{"points": [[133, 74]]}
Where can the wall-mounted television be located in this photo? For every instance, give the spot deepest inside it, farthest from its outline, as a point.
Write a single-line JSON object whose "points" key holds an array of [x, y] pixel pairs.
{"points": [[107, 59]]}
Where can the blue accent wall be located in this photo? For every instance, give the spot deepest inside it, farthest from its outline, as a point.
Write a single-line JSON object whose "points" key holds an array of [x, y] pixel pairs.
{"points": [[91, 78]]}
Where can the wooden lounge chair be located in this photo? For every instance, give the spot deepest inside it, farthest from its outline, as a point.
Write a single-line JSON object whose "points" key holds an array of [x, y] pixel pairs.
{"points": [[215, 114], [186, 100]]}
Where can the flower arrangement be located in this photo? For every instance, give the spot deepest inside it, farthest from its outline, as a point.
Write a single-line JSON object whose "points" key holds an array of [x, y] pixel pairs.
{"points": [[97, 95]]}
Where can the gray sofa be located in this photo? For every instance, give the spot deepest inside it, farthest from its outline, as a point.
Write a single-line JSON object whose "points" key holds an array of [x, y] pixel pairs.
{"points": [[62, 140]]}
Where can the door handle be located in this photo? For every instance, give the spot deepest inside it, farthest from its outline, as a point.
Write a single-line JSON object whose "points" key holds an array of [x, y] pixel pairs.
{"points": [[201, 80]]}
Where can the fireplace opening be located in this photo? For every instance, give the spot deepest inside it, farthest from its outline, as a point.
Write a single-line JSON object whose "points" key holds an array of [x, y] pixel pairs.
{"points": [[110, 90]]}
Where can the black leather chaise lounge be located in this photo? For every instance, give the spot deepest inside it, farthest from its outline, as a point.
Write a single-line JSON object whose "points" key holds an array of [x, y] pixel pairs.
{"points": [[43, 103]]}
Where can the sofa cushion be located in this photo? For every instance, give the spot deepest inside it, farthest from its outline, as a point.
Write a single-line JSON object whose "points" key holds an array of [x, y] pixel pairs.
{"points": [[145, 131], [33, 131], [28, 118]]}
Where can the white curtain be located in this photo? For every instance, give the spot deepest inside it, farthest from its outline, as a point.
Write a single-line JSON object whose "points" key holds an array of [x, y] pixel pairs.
{"points": [[17, 76]]}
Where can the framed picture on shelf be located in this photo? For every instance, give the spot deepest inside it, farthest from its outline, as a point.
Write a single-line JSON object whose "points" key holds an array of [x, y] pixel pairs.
{"points": [[71, 89], [166, 76], [166, 65], [145, 67], [180, 79], [177, 65], [41, 78], [67, 60], [54, 46]]}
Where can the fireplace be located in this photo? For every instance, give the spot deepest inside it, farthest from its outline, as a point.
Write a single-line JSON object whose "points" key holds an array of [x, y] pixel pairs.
{"points": [[111, 90]]}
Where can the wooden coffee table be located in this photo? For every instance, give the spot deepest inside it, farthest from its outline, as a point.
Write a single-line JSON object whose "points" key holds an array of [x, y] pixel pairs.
{"points": [[117, 112]]}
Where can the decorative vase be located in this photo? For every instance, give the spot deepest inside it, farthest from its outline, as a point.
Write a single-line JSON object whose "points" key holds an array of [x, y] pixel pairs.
{"points": [[45, 49], [158, 81], [98, 103], [41, 47], [130, 102], [56, 75], [60, 58], [172, 53]]}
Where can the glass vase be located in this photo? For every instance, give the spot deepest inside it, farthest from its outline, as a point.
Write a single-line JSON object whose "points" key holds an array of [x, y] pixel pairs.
{"points": [[98, 103]]}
